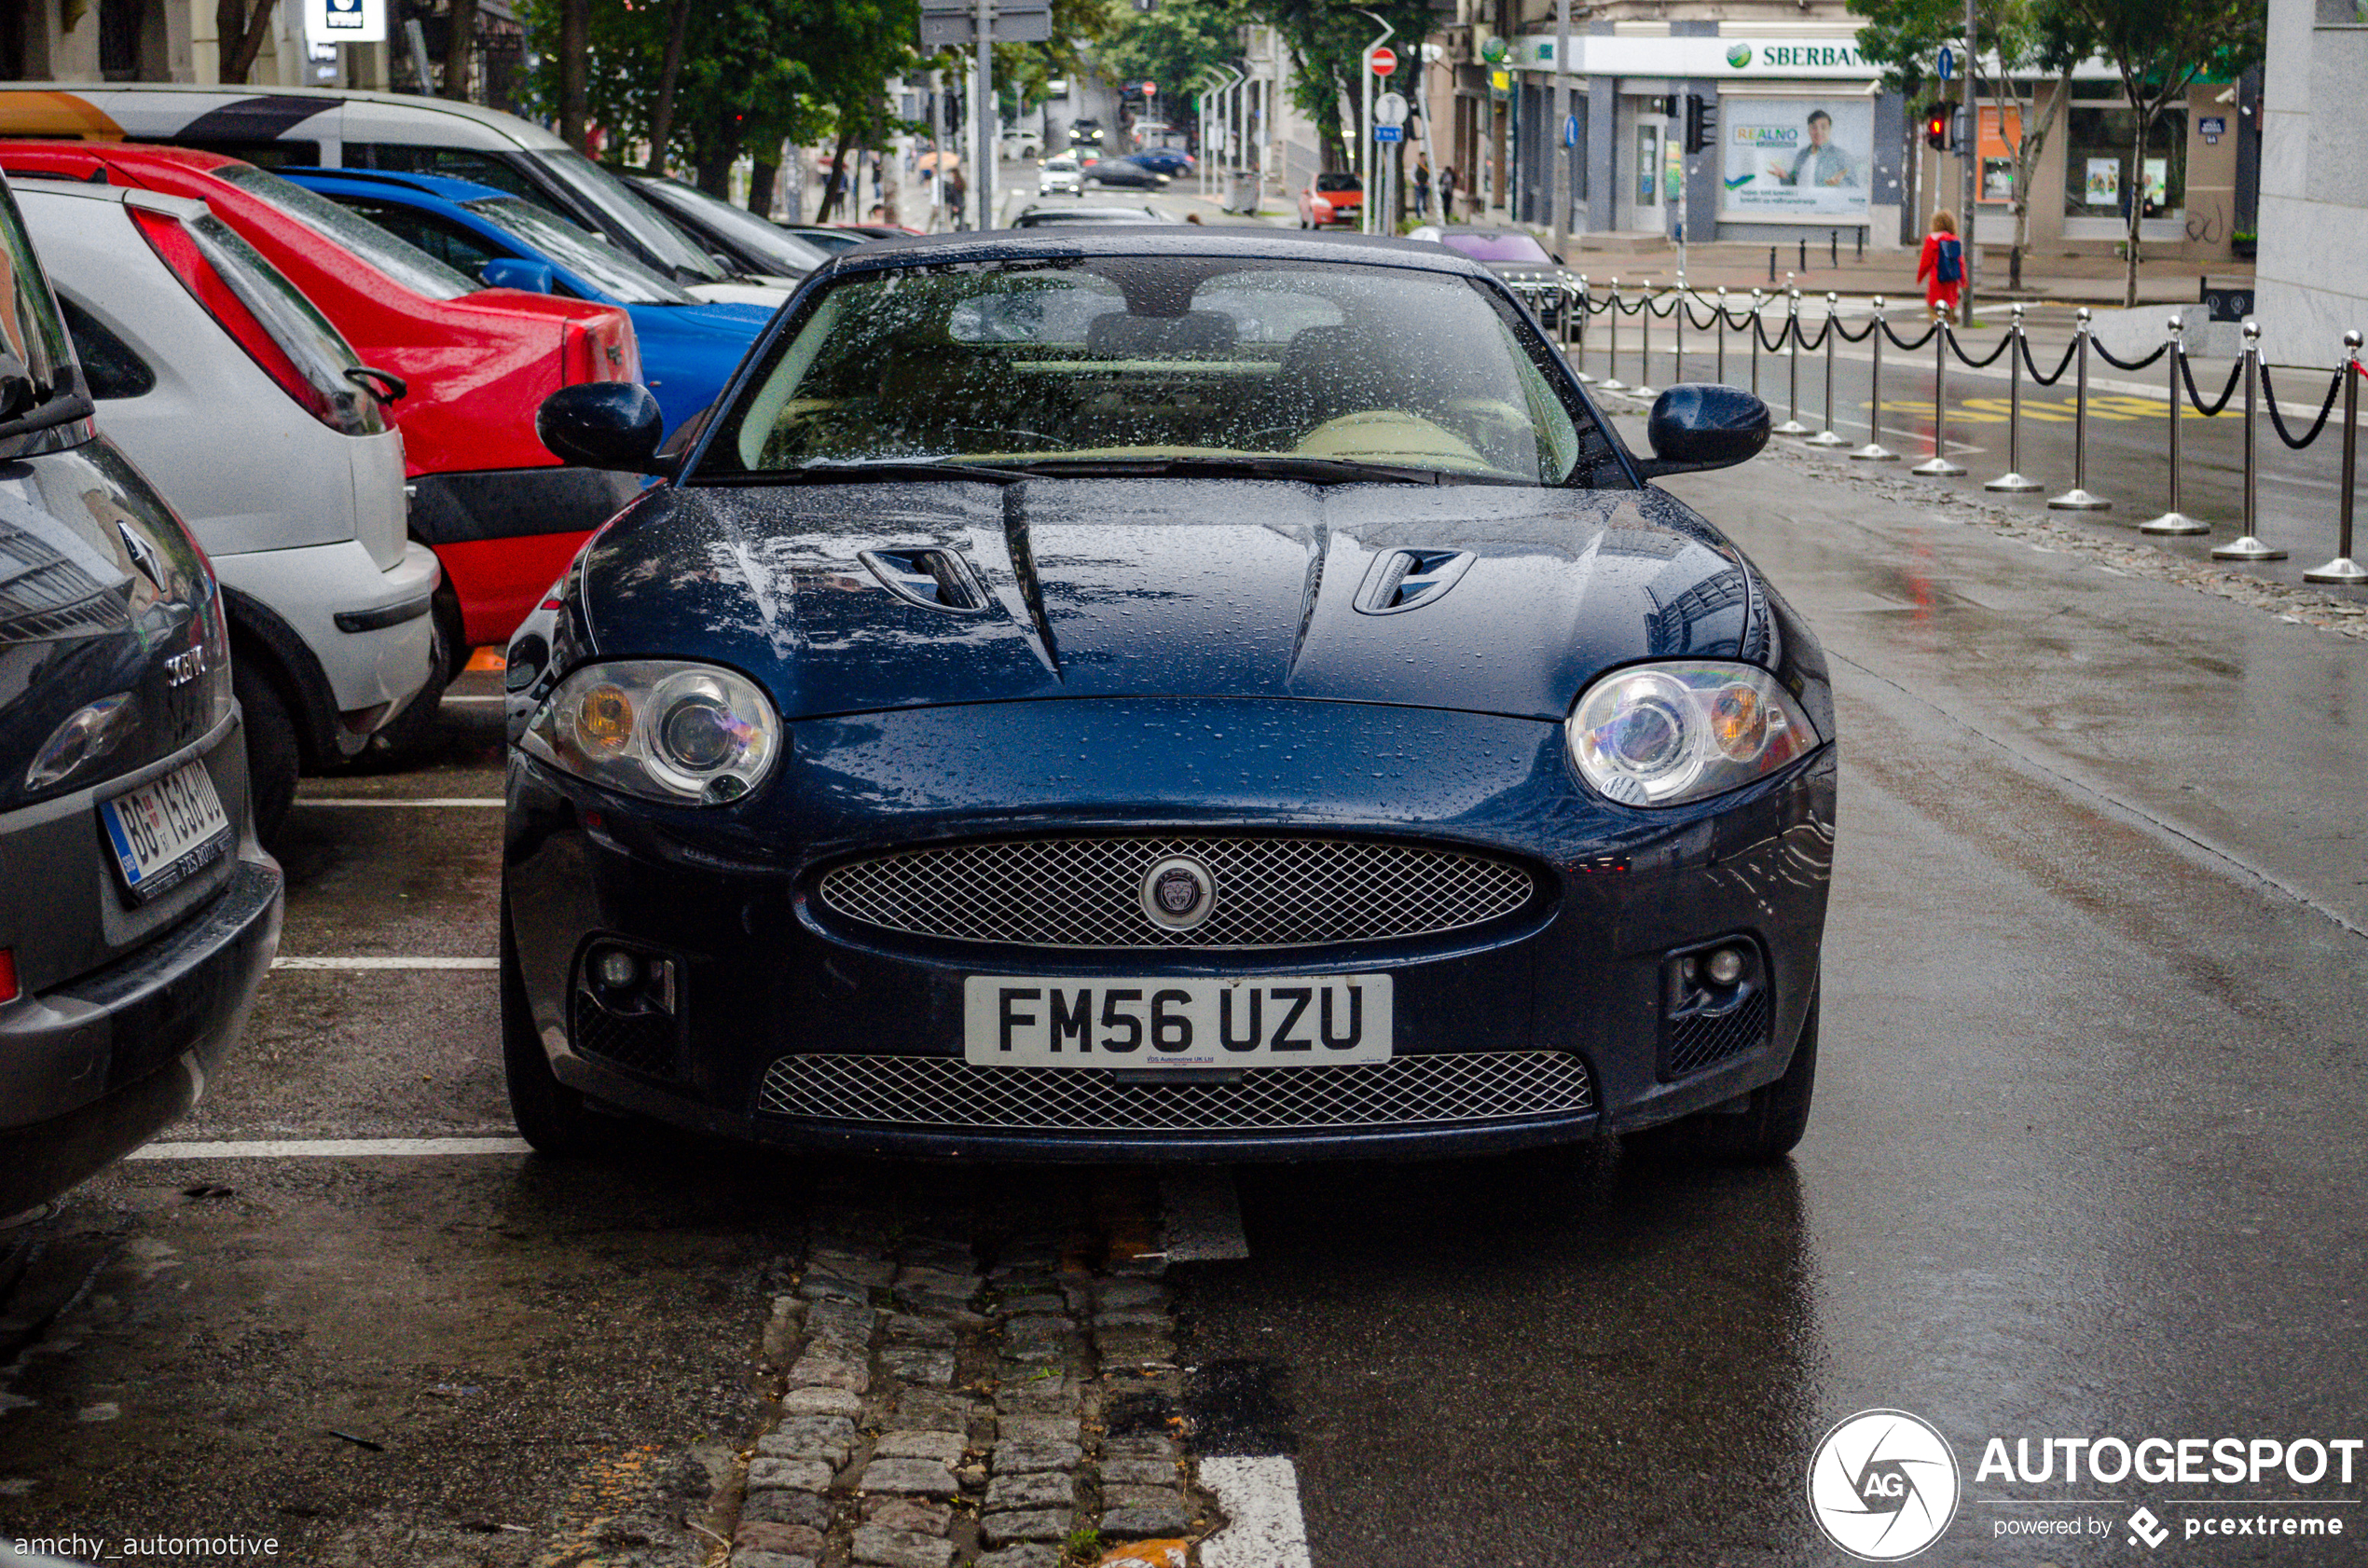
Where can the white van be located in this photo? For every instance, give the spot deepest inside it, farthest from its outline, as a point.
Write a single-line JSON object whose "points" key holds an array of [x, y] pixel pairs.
{"points": [[333, 128]]}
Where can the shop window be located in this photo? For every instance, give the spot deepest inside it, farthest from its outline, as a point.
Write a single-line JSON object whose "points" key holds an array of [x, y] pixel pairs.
{"points": [[12, 25], [120, 39], [2098, 182]]}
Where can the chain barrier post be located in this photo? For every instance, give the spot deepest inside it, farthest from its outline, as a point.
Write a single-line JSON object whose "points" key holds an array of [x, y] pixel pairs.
{"points": [[1758, 299], [1938, 466], [1721, 332], [2250, 548], [2343, 569], [1586, 310], [1828, 437], [1611, 381], [1792, 425], [1677, 320], [2077, 499], [2011, 482], [1874, 451], [1643, 387], [2173, 520]]}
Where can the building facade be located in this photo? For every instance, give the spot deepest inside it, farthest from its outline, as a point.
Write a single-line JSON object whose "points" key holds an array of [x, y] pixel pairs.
{"points": [[2314, 185]]}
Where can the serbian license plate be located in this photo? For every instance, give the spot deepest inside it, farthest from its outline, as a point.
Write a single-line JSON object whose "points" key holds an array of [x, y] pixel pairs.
{"points": [[1288, 1020], [166, 829]]}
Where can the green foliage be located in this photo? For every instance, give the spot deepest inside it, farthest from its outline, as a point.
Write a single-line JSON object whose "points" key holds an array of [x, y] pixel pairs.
{"points": [[2033, 38], [1178, 45], [1328, 42]]}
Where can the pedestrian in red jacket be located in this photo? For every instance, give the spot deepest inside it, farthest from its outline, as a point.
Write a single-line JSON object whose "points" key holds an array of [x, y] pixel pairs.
{"points": [[1942, 267]]}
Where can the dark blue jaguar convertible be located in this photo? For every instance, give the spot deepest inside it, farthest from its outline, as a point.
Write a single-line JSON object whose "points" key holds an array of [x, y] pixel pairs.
{"points": [[1210, 693]]}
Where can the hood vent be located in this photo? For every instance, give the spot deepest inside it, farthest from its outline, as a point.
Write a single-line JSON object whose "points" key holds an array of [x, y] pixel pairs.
{"points": [[933, 579], [1408, 579]]}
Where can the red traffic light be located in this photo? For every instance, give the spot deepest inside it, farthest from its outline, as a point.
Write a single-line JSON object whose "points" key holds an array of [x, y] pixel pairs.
{"points": [[1940, 124]]}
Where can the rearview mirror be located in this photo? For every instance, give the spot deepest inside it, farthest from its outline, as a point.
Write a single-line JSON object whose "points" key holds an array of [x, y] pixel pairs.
{"points": [[603, 424], [515, 273], [1703, 425]]}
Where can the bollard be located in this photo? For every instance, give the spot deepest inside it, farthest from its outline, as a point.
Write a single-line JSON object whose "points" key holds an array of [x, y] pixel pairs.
{"points": [[2077, 499], [1677, 320], [1804, 253], [2343, 569], [1792, 425], [1611, 381], [2011, 482], [1833, 247], [1720, 332], [2250, 548], [1585, 309], [1828, 437], [2174, 520], [1644, 354], [1939, 467], [1771, 264], [1756, 304], [1874, 452]]}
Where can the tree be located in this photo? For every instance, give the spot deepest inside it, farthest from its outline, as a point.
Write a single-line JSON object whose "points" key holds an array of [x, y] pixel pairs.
{"points": [[2159, 46], [1177, 46], [1328, 43], [241, 36], [2025, 38]]}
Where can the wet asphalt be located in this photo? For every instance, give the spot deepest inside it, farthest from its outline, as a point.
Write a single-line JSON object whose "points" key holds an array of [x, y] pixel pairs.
{"points": [[2085, 1163]]}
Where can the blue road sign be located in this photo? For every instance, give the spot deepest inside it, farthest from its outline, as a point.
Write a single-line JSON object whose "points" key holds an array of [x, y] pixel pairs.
{"points": [[1948, 63], [1389, 133], [1570, 130]]}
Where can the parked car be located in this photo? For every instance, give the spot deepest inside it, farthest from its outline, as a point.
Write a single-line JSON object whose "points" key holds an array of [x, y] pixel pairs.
{"points": [[1172, 162], [827, 238], [1059, 175], [1331, 198], [1124, 174], [139, 912], [404, 132], [1051, 711], [502, 516], [1042, 217], [688, 348], [1016, 145], [754, 246], [192, 344], [1513, 254]]}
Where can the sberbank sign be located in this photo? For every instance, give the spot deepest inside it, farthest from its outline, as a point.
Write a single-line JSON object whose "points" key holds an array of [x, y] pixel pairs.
{"points": [[1794, 56]]}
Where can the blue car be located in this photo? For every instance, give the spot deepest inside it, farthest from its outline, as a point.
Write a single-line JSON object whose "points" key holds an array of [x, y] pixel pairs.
{"points": [[1165, 161], [1193, 693], [688, 346]]}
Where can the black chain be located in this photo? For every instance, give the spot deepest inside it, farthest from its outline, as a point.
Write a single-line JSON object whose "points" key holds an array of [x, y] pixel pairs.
{"points": [[2107, 355], [1957, 346], [1901, 343], [2065, 364], [1860, 336], [2278, 423], [1812, 345], [1759, 330], [1716, 316], [2187, 373]]}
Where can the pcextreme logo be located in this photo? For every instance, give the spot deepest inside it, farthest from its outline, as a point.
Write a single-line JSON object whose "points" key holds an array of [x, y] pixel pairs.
{"points": [[1883, 1485]]}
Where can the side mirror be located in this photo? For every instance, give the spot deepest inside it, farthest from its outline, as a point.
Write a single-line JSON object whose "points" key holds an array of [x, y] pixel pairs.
{"points": [[603, 424], [1703, 425], [514, 273]]}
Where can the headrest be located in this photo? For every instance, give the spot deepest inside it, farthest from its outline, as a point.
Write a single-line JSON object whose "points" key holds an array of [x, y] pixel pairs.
{"points": [[1195, 331]]}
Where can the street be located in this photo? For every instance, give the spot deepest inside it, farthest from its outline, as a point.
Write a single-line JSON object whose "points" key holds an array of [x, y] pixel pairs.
{"points": [[2081, 1165]]}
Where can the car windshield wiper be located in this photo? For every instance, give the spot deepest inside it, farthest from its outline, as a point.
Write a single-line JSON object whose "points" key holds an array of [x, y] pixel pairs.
{"points": [[1314, 471], [865, 472]]}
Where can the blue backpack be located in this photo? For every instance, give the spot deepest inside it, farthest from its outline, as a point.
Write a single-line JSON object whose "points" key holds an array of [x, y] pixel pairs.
{"points": [[1948, 261]]}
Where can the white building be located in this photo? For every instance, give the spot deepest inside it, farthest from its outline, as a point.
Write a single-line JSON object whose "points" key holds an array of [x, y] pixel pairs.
{"points": [[2311, 287]]}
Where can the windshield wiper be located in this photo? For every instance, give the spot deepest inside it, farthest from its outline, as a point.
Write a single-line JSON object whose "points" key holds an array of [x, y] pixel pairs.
{"points": [[864, 472], [1314, 471]]}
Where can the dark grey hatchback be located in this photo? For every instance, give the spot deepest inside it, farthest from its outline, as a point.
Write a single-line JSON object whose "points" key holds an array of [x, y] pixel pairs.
{"points": [[138, 914]]}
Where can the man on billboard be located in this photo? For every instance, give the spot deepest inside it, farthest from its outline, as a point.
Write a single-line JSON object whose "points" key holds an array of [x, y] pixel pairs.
{"points": [[1821, 162]]}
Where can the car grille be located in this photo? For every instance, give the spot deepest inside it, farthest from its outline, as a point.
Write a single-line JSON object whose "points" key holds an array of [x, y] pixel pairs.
{"points": [[1086, 891], [1704, 1040], [643, 1043], [947, 1091]]}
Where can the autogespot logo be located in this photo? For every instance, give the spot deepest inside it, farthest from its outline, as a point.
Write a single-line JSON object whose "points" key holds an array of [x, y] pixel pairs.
{"points": [[1883, 1485], [1739, 55]]}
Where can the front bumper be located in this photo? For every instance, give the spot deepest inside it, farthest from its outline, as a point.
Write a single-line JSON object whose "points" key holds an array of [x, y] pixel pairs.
{"points": [[765, 972]]}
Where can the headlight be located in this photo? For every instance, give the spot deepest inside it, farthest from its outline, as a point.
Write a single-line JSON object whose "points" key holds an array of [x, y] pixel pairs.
{"points": [[689, 734], [1665, 734]]}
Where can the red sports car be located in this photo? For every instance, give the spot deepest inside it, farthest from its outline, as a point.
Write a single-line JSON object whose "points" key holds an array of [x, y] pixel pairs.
{"points": [[500, 512]]}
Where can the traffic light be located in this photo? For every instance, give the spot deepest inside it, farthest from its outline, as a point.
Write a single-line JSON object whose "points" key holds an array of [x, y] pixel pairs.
{"points": [[1940, 125], [1665, 106], [1701, 122]]}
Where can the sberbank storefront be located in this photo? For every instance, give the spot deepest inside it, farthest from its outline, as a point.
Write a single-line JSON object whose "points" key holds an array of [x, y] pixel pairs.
{"points": [[1808, 145]]}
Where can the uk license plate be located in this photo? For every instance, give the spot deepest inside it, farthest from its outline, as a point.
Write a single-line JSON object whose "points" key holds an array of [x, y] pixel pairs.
{"points": [[166, 829], [1288, 1020]]}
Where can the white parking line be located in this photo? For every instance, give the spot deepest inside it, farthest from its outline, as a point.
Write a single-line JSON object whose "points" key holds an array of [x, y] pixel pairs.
{"points": [[489, 801], [337, 1148], [307, 963], [1200, 1215], [1260, 1500]]}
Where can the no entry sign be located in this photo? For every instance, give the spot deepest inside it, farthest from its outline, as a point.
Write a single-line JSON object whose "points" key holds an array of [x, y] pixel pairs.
{"points": [[1384, 61]]}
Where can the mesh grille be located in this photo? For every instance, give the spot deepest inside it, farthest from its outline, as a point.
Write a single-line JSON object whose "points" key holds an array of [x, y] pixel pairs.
{"points": [[643, 1041], [1086, 892], [946, 1091], [1703, 1039]]}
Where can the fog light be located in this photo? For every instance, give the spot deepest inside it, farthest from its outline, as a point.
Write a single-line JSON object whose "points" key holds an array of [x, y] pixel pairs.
{"points": [[1725, 967], [617, 969]]}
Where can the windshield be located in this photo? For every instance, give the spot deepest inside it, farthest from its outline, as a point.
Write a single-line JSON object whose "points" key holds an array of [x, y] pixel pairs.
{"points": [[781, 254], [587, 256], [1498, 247], [406, 264], [1337, 181], [30, 330], [621, 215], [1167, 361]]}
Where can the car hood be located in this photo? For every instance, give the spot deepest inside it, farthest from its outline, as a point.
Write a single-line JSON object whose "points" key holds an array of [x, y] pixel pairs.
{"points": [[1141, 588]]}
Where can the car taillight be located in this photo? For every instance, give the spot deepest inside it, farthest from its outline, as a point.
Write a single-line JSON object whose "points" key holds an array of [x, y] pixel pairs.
{"points": [[8, 974]]}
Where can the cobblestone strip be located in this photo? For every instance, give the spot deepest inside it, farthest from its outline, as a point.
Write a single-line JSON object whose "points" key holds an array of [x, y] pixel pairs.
{"points": [[930, 1415]]}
